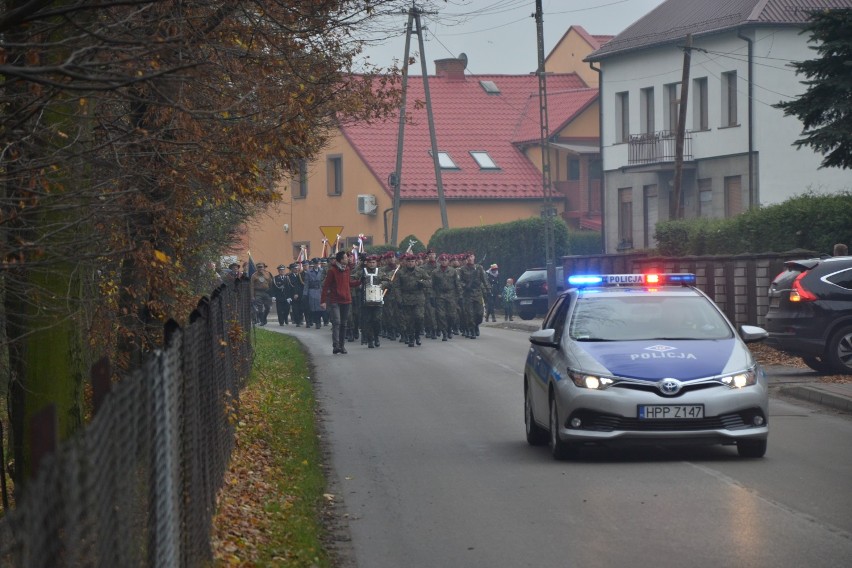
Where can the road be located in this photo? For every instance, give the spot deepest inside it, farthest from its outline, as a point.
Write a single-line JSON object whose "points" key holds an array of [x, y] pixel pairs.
{"points": [[430, 462]]}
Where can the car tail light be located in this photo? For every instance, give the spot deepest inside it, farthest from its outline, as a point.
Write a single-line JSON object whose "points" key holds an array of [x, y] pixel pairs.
{"points": [[799, 293]]}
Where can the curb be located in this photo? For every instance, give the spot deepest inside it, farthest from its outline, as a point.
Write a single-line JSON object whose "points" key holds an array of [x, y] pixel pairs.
{"points": [[822, 395]]}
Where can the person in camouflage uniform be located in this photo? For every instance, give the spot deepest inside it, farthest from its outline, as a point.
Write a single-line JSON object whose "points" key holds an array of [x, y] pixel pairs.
{"points": [[353, 326], [446, 288], [430, 265], [412, 282], [390, 311], [474, 289]]}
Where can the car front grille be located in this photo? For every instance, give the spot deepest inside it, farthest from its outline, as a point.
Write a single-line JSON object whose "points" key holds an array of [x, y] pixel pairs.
{"points": [[600, 422]]}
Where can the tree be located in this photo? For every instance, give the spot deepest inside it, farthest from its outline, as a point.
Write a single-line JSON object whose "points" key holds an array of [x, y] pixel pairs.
{"points": [[135, 138], [825, 108]]}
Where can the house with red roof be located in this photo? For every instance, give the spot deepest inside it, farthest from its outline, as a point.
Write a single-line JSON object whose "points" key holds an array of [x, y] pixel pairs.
{"points": [[487, 130]]}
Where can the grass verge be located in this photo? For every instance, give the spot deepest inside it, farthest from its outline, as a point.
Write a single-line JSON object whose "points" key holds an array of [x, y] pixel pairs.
{"points": [[270, 507]]}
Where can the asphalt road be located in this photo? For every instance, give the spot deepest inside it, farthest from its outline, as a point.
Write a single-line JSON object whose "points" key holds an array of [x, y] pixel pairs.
{"points": [[430, 468]]}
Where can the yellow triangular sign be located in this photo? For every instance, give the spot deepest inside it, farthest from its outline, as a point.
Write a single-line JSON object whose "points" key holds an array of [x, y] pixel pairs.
{"points": [[331, 233]]}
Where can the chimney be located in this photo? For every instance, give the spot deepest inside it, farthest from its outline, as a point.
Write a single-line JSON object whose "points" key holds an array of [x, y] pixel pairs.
{"points": [[451, 69]]}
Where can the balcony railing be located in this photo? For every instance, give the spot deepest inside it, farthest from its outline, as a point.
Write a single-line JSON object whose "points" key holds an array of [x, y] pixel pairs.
{"points": [[656, 147]]}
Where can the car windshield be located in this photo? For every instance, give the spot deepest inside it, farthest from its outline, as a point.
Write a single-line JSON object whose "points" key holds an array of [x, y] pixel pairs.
{"points": [[646, 317]]}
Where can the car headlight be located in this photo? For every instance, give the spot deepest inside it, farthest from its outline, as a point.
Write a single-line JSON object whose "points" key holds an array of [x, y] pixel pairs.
{"points": [[594, 382], [740, 380]]}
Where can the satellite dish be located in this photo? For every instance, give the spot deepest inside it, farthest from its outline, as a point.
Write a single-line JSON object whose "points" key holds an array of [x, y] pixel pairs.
{"points": [[463, 59]]}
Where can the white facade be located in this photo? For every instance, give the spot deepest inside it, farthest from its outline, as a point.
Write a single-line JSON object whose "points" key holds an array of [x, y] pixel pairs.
{"points": [[716, 176]]}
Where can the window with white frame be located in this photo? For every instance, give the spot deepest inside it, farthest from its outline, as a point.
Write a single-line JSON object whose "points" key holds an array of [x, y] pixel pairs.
{"points": [[622, 116], [334, 170], [729, 98], [700, 119], [671, 96], [646, 110]]}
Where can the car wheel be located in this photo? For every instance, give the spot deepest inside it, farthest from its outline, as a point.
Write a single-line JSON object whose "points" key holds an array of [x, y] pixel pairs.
{"points": [[818, 364], [560, 450], [751, 448], [526, 314], [536, 435], [839, 350]]}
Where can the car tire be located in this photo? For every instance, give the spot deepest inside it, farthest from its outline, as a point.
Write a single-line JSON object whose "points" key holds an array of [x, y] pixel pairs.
{"points": [[839, 350], [818, 364], [526, 315], [561, 450], [536, 435], [751, 448]]}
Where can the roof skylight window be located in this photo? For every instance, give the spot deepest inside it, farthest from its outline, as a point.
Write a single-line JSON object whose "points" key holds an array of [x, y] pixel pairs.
{"points": [[484, 160], [445, 161], [490, 87]]}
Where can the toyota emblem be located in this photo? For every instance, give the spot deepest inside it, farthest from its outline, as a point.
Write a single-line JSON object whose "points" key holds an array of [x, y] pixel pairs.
{"points": [[669, 386]]}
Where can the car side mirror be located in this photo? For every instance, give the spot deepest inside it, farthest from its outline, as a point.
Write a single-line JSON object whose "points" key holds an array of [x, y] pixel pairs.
{"points": [[752, 333], [544, 338]]}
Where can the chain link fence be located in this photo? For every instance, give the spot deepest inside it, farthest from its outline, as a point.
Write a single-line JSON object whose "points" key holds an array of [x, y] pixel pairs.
{"points": [[137, 486]]}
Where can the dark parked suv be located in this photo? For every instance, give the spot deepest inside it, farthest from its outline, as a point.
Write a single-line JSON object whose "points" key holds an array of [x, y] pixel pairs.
{"points": [[810, 312], [531, 289]]}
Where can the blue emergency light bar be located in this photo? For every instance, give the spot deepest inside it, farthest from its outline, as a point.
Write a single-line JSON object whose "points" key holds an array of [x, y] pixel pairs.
{"points": [[581, 280]]}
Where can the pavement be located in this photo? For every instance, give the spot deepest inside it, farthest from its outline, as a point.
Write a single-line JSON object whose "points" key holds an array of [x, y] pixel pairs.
{"points": [[795, 382]]}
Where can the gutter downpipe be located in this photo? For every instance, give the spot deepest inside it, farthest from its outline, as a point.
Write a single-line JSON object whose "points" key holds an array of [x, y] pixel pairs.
{"points": [[752, 194], [600, 151]]}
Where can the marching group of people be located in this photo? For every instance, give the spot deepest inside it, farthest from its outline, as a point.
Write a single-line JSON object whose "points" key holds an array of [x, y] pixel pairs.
{"points": [[374, 297]]}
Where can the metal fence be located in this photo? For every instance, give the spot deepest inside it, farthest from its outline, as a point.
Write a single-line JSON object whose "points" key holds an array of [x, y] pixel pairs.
{"points": [[137, 486], [737, 283]]}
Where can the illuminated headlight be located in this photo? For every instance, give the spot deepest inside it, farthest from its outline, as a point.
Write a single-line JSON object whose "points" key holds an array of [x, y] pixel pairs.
{"points": [[740, 380], [593, 382]]}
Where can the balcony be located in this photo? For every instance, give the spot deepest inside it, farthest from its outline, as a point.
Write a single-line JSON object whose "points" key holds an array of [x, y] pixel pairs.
{"points": [[656, 147]]}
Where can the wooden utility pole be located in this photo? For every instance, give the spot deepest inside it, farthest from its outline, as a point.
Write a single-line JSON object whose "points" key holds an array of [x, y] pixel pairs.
{"points": [[396, 179], [547, 210], [676, 201]]}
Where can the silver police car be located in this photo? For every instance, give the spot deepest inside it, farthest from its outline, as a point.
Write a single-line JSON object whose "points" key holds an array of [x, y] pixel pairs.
{"points": [[642, 359]]}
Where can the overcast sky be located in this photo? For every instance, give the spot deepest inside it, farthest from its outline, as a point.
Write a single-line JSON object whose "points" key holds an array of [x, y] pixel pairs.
{"points": [[499, 36]]}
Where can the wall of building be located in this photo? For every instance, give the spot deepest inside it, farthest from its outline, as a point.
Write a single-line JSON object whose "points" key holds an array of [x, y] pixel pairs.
{"points": [[567, 57]]}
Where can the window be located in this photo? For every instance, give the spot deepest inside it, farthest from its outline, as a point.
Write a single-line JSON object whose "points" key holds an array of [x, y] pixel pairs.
{"points": [[705, 198], [646, 110], [573, 169], [484, 160], [651, 213], [445, 161], [625, 218], [335, 175], [733, 196], [299, 183], [622, 117], [671, 106], [729, 98], [490, 87], [699, 104]]}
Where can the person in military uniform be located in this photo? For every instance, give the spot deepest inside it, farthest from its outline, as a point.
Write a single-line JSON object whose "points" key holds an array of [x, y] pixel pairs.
{"points": [[412, 282], [371, 307], [446, 289], [474, 290], [390, 311], [297, 291], [261, 283], [430, 264], [353, 327], [492, 299], [280, 290], [313, 292]]}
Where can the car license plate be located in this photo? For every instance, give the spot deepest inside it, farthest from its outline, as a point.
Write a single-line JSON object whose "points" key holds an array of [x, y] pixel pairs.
{"points": [[526, 302], [670, 411]]}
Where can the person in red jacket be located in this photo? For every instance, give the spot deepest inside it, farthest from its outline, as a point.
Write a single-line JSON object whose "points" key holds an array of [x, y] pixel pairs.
{"points": [[337, 298]]}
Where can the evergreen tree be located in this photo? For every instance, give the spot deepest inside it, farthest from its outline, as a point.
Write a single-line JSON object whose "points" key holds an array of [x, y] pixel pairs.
{"points": [[825, 108]]}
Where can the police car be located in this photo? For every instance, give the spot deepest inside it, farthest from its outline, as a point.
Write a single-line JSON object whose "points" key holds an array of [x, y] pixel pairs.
{"points": [[642, 359]]}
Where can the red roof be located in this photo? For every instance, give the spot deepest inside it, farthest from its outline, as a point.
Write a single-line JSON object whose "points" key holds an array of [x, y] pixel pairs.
{"points": [[467, 119]]}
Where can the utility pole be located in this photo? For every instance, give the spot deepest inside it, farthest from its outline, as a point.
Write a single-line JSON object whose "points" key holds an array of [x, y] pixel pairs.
{"points": [[676, 202], [396, 178], [547, 210]]}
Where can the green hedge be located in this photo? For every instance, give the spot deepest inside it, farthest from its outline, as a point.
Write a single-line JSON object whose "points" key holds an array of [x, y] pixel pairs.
{"points": [[809, 221], [515, 246]]}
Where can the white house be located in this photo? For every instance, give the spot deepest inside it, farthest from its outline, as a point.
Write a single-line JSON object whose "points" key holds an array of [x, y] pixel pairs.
{"points": [[738, 149]]}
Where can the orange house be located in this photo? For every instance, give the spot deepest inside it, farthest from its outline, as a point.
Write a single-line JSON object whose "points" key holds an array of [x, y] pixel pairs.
{"points": [[487, 129]]}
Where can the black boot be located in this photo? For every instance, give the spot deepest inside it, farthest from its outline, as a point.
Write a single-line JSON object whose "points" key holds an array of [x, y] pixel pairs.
{"points": [[411, 341], [443, 336], [417, 339], [376, 342], [476, 330], [370, 344]]}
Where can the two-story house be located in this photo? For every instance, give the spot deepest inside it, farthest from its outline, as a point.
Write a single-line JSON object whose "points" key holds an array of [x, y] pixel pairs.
{"points": [[488, 138], [738, 150]]}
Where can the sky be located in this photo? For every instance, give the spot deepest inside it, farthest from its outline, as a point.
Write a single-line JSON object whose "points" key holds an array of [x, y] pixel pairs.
{"points": [[499, 36]]}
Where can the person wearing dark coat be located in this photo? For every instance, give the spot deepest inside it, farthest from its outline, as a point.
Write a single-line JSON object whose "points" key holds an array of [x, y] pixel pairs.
{"points": [[337, 298]]}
